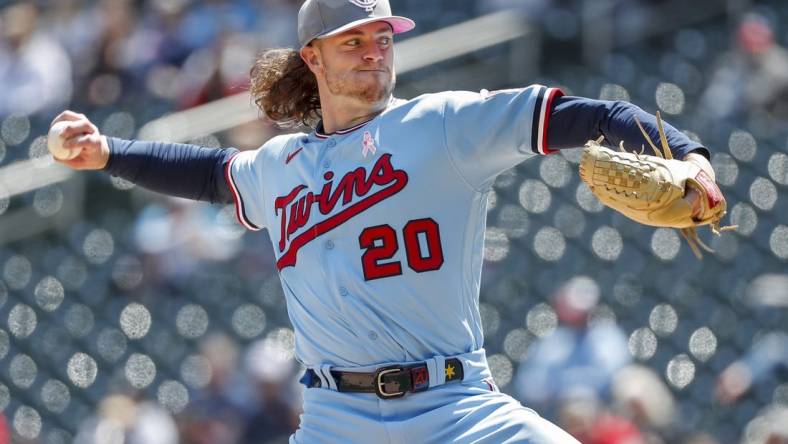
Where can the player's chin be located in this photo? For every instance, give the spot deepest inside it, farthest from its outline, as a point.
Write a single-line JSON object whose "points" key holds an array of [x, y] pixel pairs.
{"points": [[370, 91], [373, 95]]}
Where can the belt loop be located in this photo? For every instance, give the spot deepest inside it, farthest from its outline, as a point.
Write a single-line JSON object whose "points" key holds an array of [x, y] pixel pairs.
{"points": [[320, 376], [437, 369], [475, 364], [325, 372]]}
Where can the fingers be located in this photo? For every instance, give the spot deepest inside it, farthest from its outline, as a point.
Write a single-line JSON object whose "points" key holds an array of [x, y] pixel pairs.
{"points": [[79, 124], [68, 115], [77, 130], [93, 152], [78, 127], [77, 163], [694, 198], [91, 140]]}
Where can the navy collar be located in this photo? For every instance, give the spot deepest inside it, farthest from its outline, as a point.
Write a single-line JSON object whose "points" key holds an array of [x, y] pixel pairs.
{"points": [[320, 134]]}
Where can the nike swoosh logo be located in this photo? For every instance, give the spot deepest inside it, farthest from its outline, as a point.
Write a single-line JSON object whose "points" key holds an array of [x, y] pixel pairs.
{"points": [[293, 154]]}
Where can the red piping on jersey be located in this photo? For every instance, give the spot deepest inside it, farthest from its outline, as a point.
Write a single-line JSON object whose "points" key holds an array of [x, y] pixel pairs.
{"points": [[548, 109], [239, 211]]}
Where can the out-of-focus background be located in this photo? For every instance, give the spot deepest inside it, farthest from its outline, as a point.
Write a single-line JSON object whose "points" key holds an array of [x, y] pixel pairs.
{"points": [[128, 317]]}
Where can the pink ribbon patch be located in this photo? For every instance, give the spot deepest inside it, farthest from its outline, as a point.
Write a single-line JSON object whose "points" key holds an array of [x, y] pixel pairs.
{"points": [[369, 144]]}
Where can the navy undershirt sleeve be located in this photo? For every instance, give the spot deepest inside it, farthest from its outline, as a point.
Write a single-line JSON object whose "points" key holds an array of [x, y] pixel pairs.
{"points": [[576, 120], [176, 169]]}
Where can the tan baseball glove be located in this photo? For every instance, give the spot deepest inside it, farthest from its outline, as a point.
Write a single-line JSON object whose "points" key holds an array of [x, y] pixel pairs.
{"points": [[650, 189]]}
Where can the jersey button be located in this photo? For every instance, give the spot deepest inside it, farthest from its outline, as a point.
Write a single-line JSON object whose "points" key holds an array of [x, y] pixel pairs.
{"points": [[332, 143], [343, 291], [326, 166], [372, 335], [329, 245]]}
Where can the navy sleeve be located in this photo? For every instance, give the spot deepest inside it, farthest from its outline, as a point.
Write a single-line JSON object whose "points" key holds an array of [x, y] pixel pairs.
{"points": [[576, 120], [176, 169]]}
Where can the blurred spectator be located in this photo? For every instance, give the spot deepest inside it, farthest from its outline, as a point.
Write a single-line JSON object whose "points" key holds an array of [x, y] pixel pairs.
{"points": [[277, 22], [215, 414], [588, 421], [5, 437], [769, 427], [640, 394], [208, 21], [276, 394], [641, 411], [210, 74], [751, 77], [260, 404], [123, 50], [768, 355], [73, 24], [178, 235], [35, 71], [579, 358], [122, 419]]}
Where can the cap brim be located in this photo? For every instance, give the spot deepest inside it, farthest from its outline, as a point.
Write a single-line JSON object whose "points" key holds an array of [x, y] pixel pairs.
{"points": [[398, 24]]}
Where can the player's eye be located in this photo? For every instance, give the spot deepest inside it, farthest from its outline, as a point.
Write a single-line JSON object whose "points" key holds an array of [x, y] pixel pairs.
{"points": [[385, 41], [353, 42]]}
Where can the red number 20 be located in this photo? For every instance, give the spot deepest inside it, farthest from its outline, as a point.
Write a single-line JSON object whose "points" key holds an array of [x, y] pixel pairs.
{"points": [[380, 243]]}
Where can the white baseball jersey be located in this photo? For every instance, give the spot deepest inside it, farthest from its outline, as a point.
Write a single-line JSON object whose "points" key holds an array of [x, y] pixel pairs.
{"points": [[378, 230]]}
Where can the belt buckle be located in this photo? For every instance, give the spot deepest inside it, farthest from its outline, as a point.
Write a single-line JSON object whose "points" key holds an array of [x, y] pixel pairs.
{"points": [[380, 386]]}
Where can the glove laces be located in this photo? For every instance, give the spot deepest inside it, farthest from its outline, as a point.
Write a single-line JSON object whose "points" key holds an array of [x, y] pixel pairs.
{"points": [[690, 233]]}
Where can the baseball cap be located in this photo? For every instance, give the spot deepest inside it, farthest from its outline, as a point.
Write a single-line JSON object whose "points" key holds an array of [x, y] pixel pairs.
{"points": [[324, 18]]}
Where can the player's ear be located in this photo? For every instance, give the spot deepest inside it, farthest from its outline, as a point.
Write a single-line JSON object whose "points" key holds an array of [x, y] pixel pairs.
{"points": [[311, 56]]}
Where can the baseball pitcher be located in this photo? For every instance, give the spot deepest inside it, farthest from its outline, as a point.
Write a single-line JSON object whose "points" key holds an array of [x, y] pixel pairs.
{"points": [[377, 218]]}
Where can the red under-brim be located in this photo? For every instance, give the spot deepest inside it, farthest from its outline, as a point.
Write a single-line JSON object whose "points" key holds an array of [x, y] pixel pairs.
{"points": [[398, 24]]}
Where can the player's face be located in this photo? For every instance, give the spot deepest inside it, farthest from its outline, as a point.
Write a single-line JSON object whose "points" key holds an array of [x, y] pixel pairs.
{"points": [[360, 63]]}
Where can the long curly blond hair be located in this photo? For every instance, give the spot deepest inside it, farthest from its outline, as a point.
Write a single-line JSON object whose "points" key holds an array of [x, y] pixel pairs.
{"points": [[284, 88]]}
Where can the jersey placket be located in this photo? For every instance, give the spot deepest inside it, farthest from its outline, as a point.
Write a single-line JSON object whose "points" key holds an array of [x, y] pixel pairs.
{"points": [[329, 252], [340, 156], [322, 167]]}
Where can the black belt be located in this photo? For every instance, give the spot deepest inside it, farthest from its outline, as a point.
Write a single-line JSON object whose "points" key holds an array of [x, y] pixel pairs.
{"points": [[387, 382]]}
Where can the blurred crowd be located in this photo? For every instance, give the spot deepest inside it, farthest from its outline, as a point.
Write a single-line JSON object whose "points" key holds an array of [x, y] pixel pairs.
{"points": [[147, 57], [249, 397], [752, 77], [151, 57], [583, 374]]}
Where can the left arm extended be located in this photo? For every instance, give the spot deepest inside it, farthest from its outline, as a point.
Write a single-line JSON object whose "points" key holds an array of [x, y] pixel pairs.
{"points": [[576, 120], [655, 189]]}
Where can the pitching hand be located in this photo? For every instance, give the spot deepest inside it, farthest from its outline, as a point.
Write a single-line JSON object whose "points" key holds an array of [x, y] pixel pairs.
{"points": [[82, 134], [693, 196]]}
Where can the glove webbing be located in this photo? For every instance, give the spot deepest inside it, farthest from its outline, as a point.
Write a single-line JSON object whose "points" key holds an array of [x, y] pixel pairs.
{"points": [[690, 233]]}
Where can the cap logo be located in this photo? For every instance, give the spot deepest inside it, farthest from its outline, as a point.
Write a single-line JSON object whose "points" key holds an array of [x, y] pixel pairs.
{"points": [[369, 5]]}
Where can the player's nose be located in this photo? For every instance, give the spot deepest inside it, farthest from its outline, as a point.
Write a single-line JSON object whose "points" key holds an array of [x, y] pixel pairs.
{"points": [[373, 53]]}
